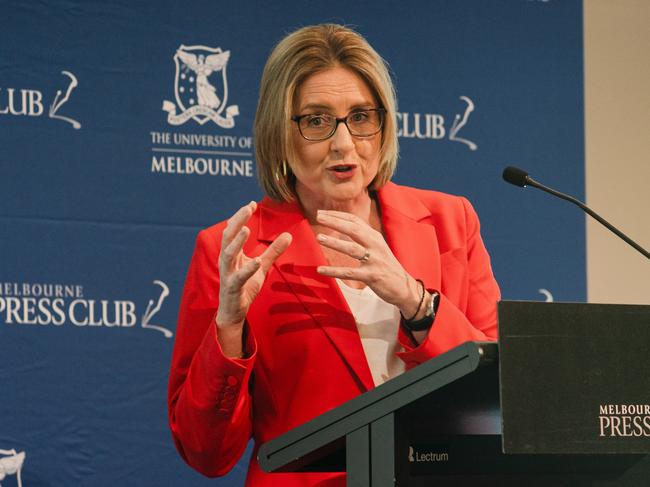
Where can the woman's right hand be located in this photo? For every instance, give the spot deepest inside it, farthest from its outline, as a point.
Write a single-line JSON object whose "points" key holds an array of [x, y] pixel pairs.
{"points": [[241, 277]]}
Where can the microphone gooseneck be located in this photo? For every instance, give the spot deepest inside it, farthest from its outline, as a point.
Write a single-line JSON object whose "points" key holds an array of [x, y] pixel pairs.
{"points": [[519, 177]]}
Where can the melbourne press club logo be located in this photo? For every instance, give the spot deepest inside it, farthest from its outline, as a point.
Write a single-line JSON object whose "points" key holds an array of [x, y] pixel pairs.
{"points": [[435, 126], [29, 102], [57, 304], [624, 420], [201, 99], [11, 464]]}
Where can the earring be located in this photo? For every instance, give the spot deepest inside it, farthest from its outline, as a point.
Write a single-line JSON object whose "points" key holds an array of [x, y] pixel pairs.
{"points": [[284, 172]]}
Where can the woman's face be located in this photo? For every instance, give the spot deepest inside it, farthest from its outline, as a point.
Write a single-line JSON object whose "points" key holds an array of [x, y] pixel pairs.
{"points": [[337, 170]]}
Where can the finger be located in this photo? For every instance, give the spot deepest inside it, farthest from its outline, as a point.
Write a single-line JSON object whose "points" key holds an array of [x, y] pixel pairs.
{"points": [[229, 255], [239, 278], [352, 249], [275, 250], [237, 221], [353, 228], [356, 274], [343, 215]]}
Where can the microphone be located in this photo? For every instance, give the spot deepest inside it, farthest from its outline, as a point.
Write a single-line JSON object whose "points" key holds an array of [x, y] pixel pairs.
{"points": [[519, 177]]}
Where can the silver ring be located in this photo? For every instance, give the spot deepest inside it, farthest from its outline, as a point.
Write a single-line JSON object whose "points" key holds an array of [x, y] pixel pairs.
{"points": [[365, 258]]}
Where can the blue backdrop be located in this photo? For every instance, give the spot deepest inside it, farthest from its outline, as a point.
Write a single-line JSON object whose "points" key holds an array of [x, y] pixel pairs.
{"points": [[107, 173]]}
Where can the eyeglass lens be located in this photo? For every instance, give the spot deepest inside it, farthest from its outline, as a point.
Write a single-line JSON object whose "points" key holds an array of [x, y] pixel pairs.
{"points": [[361, 123]]}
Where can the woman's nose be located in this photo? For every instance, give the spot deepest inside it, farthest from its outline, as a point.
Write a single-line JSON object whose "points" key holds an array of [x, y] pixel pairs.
{"points": [[342, 139]]}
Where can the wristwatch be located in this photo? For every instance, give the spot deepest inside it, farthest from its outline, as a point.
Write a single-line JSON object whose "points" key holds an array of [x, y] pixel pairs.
{"points": [[425, 322]]}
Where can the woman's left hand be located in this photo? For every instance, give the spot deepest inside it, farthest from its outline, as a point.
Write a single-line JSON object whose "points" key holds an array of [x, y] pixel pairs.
{"points": [[378, 268]]}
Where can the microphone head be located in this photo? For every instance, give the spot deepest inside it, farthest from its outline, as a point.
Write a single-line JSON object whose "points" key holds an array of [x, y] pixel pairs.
{"points": [[516, 176]]}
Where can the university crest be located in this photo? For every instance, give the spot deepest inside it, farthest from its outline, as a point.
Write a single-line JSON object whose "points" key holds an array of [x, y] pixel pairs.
{"points": [[201, 87]]}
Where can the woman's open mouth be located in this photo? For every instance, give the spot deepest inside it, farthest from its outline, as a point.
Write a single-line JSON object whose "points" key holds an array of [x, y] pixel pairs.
{"points": [[342, 171]]}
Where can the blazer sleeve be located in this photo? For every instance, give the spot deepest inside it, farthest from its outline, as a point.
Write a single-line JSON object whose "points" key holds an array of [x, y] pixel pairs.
{"points": [[208, 397], [474, 319]]}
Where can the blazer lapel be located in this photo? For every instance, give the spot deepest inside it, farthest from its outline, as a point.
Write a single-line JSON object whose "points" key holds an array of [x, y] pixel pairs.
{"points": [[410, 234], [320, 295]]}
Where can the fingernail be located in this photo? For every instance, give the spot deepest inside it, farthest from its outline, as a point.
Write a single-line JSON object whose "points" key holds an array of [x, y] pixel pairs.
{"points": [[320, 237]]}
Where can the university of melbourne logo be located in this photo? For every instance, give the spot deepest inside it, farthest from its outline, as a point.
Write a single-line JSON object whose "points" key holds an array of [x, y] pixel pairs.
{"points": [[201, 94], [201, 87], [11, 463]]}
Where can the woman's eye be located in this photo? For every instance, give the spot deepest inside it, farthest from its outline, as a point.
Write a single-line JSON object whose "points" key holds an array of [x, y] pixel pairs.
{"points": [[316, 121], [359, 117]]}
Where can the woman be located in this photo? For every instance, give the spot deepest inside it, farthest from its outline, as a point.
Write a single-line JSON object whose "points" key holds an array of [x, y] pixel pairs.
{"points": [[334, 283]]}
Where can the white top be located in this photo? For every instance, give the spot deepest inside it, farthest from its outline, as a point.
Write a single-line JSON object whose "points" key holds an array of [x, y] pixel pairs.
{"points": [[377, 322]]}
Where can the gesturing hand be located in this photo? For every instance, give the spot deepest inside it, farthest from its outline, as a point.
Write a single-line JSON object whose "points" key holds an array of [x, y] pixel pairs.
{"points": [[241, 276], [378, 268]]}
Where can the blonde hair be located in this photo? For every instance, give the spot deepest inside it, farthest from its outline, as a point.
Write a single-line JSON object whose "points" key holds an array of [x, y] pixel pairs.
{"points": [[300, 54]]}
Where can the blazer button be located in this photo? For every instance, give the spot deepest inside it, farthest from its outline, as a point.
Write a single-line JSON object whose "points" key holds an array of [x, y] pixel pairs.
{"points": [[232, 380]]}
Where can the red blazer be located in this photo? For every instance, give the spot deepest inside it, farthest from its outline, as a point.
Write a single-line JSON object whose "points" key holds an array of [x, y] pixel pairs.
{"points": [[305, 352]]}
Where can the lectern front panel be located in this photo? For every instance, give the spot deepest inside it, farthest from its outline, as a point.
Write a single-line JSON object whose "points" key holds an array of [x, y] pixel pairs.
{"points": [[575, 378]]}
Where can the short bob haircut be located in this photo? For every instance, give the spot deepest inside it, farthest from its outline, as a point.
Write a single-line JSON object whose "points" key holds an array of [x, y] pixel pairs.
{"points": [[307, 51]]}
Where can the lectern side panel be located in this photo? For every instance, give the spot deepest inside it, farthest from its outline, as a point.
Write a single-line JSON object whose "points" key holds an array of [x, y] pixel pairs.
{"points": [[357, 457], [382, 446], [575, 378]]}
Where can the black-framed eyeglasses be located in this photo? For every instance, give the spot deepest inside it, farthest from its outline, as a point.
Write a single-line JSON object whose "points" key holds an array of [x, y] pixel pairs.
{"points": [[321, 126]]}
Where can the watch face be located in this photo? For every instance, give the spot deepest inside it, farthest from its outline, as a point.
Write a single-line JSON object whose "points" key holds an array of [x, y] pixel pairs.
{"points": [[431, 306]]}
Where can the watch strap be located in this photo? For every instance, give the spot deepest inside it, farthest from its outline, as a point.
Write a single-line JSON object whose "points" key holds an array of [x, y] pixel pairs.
{"points": [[426, 321]]}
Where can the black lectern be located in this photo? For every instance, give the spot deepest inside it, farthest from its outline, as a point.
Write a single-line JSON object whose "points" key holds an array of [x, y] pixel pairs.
{"points": [[567, 393]]}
